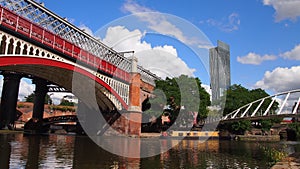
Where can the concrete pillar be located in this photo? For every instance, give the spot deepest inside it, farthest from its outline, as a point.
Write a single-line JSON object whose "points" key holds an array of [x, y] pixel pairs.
{"points": [[41, 90], [9, 99]]}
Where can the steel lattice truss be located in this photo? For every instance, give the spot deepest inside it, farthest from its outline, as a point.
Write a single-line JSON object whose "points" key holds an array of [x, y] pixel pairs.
{"points": [[37, 13], [55, 88]]}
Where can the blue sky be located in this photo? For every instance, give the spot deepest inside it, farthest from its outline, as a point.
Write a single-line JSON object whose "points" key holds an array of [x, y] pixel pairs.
{"points": [[263, 34], [263, 29]]}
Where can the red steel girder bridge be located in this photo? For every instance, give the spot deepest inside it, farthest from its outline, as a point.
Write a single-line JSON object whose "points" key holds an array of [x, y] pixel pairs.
{"points": [[41, 45]]}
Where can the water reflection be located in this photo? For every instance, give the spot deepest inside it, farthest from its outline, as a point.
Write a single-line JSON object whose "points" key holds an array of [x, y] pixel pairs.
{"points": [[78, 152], [5, 151]]}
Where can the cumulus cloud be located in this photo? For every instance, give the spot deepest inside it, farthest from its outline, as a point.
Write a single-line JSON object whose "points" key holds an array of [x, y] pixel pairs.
{"points": [[280, 79], [207, 89], [254, 59], [121, 39], [229, 24], [26, 88], [161, 60], [86, 29], [57, 96], [156, 21], [284, 9], [160, 23], [294, 54]]}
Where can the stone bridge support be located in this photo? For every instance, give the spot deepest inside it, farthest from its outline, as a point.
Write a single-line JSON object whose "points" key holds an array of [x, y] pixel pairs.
{"points": [[134, 114], [130, 121], [34, 125], [40, 92], [9, 99]]}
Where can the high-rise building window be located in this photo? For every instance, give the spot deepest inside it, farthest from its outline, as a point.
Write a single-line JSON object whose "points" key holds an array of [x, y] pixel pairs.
{"points": [[219, 63]]}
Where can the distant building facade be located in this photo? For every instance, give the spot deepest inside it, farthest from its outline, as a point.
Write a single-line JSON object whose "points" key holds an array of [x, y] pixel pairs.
{"points": [[219, 63]]}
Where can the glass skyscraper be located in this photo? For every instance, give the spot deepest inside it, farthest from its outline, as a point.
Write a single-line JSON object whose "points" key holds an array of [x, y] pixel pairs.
{"points": [[219, 63]]}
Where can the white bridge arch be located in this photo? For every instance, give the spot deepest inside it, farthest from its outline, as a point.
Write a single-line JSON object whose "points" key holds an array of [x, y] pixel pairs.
{"points": [[289, 105]]}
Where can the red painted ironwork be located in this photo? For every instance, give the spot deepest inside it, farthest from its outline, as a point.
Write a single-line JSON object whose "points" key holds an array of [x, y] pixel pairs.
{"points": [[23, 26], [22, 60]]}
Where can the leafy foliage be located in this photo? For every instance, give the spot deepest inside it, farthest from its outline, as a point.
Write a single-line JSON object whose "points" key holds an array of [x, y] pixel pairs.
{"points": [[296, 127], [30, 98], [62, 108], [266, 124], [238, 96], [239, 127], [272, 154], [64, 102], [177, 92]]}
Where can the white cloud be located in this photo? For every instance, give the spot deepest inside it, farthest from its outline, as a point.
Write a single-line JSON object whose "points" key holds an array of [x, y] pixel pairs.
{"points": [[207, 89], [86, 29], [205, 46], [121, 39], [294, 54], [254, 59], [132, 7], [161, 60], [280, 79], [231, 23], [57, 96], [159, 22], [284, 9], [26, 88]]}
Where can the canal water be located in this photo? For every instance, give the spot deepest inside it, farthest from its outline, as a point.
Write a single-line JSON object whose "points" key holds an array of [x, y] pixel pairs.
{"points": [[80, 152]]}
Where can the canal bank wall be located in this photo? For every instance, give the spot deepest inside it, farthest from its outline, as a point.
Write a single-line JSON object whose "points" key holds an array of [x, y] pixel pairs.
{"points": [[258, 137], [290, 162]]}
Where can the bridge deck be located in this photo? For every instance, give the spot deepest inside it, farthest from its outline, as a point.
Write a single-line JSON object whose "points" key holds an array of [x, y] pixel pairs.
{"points": [[54, 31]]}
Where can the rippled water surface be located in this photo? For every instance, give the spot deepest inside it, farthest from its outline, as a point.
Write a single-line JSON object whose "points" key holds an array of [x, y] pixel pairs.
{"points": [[69, 151]]}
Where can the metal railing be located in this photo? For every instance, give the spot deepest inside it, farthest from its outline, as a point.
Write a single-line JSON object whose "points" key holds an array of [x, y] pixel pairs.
{"points": [[37, 13], [289, 105]]}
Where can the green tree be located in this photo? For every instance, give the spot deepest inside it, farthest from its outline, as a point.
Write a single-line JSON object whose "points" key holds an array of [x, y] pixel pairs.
{"points": [[238, 96], [64, 102], [177, 92], [30, 98], [295, 127], [266, 124], [239, 127], [256, 94]]}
